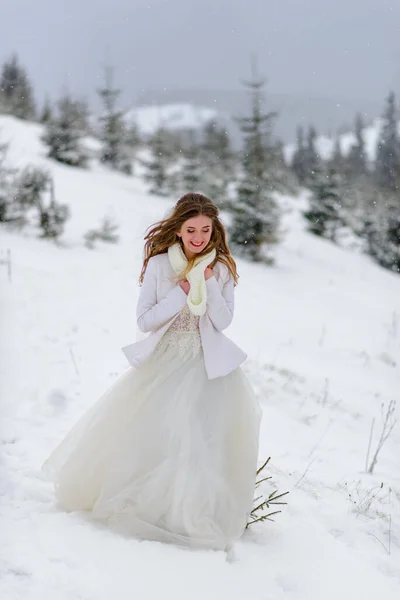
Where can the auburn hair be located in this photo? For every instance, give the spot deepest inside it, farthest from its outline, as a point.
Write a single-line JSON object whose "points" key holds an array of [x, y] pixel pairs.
{"points": [[163, 234]]}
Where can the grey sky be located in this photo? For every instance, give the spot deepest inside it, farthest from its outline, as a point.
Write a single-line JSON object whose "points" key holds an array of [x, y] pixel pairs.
{"points": [[349, 48]]}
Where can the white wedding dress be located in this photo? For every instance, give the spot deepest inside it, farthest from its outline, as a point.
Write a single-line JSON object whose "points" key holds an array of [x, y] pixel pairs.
{"points": [[165, 454]]}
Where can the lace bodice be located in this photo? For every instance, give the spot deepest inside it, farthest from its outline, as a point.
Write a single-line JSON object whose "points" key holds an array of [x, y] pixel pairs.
{"points": [[183, 335], [185, 321]]}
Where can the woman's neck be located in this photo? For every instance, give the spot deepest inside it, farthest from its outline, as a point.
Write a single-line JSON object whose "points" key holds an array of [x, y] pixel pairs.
{"points": [[188, 254]]}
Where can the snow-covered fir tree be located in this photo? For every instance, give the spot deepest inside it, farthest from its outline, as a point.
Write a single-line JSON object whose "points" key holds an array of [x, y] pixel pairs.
{"points": [[255, 212], [31, 185], [356, 163], [63, 134], [156, 167], [337, 160], [311, 157], [16, 95], [392, 238], [106, 232], [115, 152], [299, 158], [10, 211], [4, 184], [324, 212], [33, 190], [192, 168], [53, 218], [132, 136], [218, 162], [47, 112], [381, 230], [387, 166], [82, 116]]}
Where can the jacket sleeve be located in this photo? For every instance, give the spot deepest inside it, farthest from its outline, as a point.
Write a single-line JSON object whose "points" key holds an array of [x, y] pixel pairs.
{"points": [[150, 314], [220, 303]]}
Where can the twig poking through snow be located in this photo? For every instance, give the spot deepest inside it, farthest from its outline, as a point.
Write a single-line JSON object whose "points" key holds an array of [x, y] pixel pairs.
{"points": [[388, 423], [74, 361]]}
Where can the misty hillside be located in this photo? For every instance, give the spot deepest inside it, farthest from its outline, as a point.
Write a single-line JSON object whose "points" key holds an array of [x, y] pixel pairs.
{"points": [[327, 114]]}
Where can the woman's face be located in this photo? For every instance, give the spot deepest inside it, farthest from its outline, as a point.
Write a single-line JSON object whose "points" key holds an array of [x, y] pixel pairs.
{"points": [[195, 234]]}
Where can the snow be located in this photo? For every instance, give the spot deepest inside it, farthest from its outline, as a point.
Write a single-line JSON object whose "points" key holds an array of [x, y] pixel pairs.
{"points": [[322, 333], [325, 144], [172, 116]]}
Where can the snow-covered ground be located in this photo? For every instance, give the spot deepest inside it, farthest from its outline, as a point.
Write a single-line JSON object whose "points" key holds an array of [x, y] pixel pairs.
{"points": [[322, 332]]}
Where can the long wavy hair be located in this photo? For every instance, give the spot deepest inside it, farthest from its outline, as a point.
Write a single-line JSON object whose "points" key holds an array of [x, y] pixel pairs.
{"points": [[160, 236]]}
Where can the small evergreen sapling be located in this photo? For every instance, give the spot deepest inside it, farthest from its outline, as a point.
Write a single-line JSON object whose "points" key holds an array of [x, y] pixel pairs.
{"points": [[324, 213], [262, 504], [63, 134], [106, 233], [5, 187], [34, 189]]}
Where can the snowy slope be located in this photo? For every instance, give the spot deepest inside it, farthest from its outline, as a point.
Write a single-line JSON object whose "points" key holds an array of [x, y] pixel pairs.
{"points": [[322, 331], [171, 116], [325, 145]]}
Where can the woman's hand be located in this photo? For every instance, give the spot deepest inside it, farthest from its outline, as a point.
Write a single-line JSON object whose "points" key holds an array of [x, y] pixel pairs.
{"points": [[208, 273], [185, 285]]}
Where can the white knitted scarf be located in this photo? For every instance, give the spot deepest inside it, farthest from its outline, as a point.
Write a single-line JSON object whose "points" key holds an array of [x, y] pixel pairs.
{"points": [[197, 296]]}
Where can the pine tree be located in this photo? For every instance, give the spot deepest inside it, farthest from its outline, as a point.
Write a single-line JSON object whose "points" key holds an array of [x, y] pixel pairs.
{"points": [[4, 184], [255, 212], [10, 211], [10, 78], [34, 189], [337, 160], [393, 239], [63, 134], [132, 136], [82, 116], [157, 166], [15, 90], [113, 135], [324, 212], [191, 173], [381, 230], [387, 167], [299, 158], [217, 159], [356, 159], [47, 112], [311, 157]]}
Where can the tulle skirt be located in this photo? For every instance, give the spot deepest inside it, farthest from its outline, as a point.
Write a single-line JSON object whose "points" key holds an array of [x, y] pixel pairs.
{"points": [[165, 454]]}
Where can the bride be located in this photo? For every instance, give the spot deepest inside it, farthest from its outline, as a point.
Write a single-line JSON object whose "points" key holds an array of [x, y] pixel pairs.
{"points": [[169, 452]]}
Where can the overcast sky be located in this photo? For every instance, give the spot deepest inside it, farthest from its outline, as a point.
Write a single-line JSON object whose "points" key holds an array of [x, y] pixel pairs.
{"points": [[349, 48]]}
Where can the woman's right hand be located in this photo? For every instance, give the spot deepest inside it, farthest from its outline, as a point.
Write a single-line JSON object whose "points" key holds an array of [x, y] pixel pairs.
{"points": [[185, 285]]}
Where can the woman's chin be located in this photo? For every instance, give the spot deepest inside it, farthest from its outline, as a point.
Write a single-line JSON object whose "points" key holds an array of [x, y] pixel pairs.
{"points": [[196, 249]]}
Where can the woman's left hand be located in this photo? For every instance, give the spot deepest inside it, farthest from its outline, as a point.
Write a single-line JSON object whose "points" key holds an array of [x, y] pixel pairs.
{"points": [[208, 273]]}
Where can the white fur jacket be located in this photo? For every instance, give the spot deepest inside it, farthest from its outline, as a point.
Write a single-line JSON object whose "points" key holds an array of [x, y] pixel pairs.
{"points": [[161, 300]]}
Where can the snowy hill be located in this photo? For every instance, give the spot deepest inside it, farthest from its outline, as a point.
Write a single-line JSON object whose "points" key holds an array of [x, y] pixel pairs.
{"points": [[322, 333], [325, 145], [181, 117], [171, 116]]}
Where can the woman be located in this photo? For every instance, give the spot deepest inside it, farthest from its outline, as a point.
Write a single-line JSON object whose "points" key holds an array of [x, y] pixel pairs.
{"points": [[169, 452]]}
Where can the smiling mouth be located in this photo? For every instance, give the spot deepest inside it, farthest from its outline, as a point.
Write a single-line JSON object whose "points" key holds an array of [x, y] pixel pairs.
{"points": [[197, 245]]}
